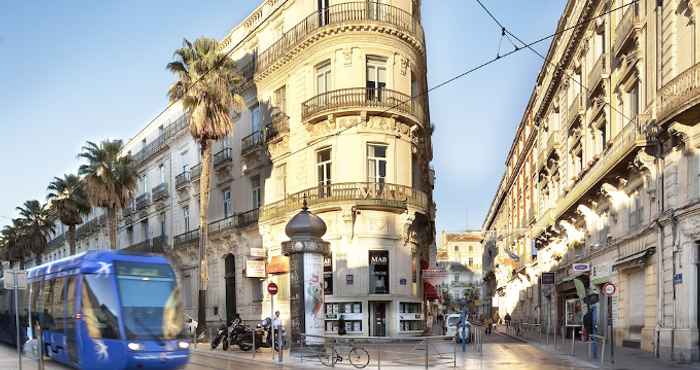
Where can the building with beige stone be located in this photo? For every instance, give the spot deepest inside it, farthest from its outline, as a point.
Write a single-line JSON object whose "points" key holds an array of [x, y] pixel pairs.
{"points": [[460, 255], [601, 182], [330, 118]]}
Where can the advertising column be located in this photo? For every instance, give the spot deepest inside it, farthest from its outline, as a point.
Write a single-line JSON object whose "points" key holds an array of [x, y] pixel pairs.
{"points": [[306, 251]]}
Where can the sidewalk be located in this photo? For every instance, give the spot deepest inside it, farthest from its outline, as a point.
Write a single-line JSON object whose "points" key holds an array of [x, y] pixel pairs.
{"points": [[624, 358]]}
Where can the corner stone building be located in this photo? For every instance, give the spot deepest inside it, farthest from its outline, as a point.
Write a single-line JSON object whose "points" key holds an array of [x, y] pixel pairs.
{"points": [[603, 171], [328, 87]]}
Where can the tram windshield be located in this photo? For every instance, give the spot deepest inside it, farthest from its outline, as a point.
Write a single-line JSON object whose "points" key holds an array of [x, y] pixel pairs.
{"points": [[150, 300]]}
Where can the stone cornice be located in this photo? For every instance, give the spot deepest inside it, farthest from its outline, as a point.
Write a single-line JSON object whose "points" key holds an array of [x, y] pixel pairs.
{"points": [[333, 30]]}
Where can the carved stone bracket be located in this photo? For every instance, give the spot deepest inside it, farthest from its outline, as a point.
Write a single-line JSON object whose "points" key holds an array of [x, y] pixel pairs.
{"points": [[408, 230], [690, 135], [646, 162]]}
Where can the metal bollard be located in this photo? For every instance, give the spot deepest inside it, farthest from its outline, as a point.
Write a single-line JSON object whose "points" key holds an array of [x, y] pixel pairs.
{"points": [[454, 354], [379, 356], [280, 355], [427, 350], [254, 335], [40, 343], [573, 340], [332, 358]]}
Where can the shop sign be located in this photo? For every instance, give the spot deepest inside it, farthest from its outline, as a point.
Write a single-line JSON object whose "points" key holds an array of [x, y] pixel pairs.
{"points": [[379, 259], [255, 268], [257, 252], [278, 265], [331, 316], [410, 316], [581, 267]]}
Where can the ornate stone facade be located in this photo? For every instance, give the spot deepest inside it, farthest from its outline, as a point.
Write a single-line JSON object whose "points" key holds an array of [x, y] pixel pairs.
{"points": [[603, 174]]}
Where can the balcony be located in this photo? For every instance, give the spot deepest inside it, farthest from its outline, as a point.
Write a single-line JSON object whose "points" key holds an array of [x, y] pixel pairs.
{"points": [[186, 239], [160, 192], [252, 143], [128, 215], [363, 14], [90, 227], [371, 194], [142, 201], [625, 142], [195, 172], [574, 111], [182, 180], [363, 98], [234, 221], [595, 75], [679, 94], [278, 126], [222, 157], [248, 218], [627, 24], [151, 149], [153, 245]]}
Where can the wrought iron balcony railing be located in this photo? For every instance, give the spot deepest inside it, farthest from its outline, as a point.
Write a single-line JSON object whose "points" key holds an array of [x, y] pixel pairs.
{"points": [[365, 98], [352, 12], [252, 142], [160, 192], [234, 221], [186, 238], [142, 201], [151, 149], [182, 179], [223, 156], [195, 172], [367, 193]]}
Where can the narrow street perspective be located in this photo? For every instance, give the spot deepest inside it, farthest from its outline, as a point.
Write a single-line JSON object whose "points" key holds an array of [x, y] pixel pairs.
{"points": [[300, 184]]}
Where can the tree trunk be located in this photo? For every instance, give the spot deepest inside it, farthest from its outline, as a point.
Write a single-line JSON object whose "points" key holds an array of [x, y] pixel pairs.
{"points": [[71, 239], [203, 234], [112, 221]]}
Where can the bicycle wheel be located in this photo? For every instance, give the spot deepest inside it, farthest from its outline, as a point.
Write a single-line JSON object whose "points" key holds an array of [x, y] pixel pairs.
{"points": [[359, 357], [326, 359]]}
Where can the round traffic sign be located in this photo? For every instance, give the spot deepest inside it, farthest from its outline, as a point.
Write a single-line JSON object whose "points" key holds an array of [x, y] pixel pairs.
{"points": [[272, 288], [609, 289]]}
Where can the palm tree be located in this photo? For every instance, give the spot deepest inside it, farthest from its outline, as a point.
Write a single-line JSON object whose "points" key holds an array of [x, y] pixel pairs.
{"points": [[206, 80], [38, 227], [11, 248], [109, 180], [69, 202]]}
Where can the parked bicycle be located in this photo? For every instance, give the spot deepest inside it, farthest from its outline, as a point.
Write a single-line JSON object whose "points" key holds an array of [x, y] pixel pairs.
{"points": [[357, 356]]}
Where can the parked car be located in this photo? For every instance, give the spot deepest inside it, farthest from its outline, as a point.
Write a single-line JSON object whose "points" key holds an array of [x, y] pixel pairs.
{"points": [[453, 329]]}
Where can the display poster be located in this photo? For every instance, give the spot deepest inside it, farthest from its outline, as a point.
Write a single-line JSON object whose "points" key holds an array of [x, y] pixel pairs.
{"points": [[313, 295]]}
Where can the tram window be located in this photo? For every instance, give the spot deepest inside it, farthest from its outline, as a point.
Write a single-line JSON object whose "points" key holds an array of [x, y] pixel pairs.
{"points": [[70, 300], [36, 302], [58, 303], [100, 309], [47, 300]]}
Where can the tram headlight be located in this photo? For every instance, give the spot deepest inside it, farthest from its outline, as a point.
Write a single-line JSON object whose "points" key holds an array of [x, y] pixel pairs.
{"points": [[183, 345], [134, 346]]}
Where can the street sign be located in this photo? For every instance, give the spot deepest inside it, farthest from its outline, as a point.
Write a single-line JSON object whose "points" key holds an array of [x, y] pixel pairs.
{"points": [[609, 289], [10, 277], [272, 288], [547, 278], [257, 252], [581, 267]]}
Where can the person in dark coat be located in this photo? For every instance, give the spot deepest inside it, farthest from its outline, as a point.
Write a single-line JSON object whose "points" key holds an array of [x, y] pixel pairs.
{"points": [[341, 325]]}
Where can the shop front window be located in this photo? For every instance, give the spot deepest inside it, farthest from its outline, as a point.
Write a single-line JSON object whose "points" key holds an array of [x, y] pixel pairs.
{"points": [[379, 272]]}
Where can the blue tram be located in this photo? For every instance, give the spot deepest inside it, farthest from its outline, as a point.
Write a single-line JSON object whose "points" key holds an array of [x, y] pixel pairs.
{"points": [[109, 310], [8, 328]]}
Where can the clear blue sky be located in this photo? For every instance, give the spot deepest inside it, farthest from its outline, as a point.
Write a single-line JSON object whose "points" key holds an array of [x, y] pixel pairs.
{"points": [[75, 71]]}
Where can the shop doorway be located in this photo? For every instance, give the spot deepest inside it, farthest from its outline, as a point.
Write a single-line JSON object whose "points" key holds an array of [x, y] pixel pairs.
{"points": [[377, 317], [230, 277]]}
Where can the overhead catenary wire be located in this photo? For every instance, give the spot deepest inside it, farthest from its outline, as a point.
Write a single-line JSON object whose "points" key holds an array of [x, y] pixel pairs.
{"points": [[547, 60], [482, 65]]}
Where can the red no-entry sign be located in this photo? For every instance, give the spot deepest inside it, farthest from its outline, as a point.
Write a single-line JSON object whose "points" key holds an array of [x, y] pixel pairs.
{"points": [[272, 288]]}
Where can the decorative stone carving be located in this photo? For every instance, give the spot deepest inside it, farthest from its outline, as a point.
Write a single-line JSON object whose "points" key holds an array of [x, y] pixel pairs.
{"points": [[405, 63], [646, 162], [347, 57], [690, 135]]}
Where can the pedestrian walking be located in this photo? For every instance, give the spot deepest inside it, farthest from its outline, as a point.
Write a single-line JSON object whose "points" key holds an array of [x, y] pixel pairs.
{"points": [[506, 318]]}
